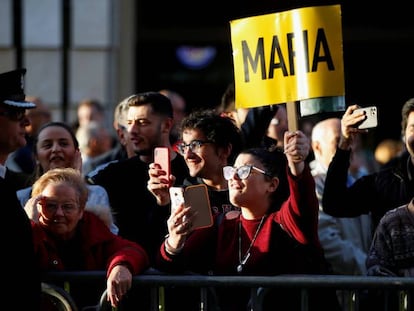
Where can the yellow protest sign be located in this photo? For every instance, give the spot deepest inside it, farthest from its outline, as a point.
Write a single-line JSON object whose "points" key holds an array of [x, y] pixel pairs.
{"points": [[288, 56]]}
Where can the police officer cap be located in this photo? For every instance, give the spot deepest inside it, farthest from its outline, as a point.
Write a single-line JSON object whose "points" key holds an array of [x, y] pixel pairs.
{"points": [[12, 89]]}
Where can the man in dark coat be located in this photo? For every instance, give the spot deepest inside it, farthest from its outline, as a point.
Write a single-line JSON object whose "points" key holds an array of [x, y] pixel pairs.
{"points": [[21, 277]]}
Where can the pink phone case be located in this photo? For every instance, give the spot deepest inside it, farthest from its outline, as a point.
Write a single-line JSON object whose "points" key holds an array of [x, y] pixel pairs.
{"points": [[162, 157]]}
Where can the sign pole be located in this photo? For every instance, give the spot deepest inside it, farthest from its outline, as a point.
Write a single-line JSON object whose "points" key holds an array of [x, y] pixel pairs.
{"points": [[292, 115]]}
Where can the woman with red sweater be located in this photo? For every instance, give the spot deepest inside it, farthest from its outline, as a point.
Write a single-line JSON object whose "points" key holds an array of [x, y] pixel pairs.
{"points": [[267, 237], [69, 238]]}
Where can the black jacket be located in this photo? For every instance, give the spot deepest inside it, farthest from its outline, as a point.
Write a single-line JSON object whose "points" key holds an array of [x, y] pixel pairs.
{"points": [[375, 193], [21, 269]]}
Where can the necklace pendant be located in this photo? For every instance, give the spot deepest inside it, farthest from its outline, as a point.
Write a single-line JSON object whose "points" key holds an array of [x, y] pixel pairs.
{"points": [[247, 255], [245, 259]]}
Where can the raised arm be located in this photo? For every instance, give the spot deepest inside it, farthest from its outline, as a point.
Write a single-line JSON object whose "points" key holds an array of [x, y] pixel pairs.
{"points": [[339, 200], [299, 214], [296, 146]]}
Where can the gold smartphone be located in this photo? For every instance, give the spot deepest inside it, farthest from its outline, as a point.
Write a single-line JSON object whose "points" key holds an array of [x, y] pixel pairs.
{"points": [[195, 196]]}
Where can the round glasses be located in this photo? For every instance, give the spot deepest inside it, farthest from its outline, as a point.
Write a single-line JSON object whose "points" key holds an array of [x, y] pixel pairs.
{"points": [[242, 172], [67, 208], [193, 146]]}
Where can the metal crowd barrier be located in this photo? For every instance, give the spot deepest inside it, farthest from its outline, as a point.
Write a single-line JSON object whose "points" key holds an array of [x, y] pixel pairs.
{"points": [[349, 286]]}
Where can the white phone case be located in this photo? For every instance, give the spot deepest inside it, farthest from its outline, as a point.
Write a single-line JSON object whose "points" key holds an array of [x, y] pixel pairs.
{"points": [[176, 197]]}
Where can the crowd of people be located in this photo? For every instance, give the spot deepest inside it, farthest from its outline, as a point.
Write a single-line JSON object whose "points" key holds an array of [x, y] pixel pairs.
{"points": [[276, 209]]}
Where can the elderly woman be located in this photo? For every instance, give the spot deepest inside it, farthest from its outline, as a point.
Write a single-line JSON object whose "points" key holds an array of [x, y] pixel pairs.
{"points": [[67, 237], [265, 238]]}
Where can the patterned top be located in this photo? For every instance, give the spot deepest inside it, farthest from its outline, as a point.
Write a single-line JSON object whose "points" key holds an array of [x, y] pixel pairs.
{"points": [[392, 248]]}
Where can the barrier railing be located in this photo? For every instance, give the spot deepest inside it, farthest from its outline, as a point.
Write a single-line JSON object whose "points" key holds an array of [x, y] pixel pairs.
{"points": [[350, 286]]}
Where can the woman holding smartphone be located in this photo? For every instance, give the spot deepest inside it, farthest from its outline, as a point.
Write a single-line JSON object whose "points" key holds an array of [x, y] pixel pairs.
{"points": [[265, 237]]}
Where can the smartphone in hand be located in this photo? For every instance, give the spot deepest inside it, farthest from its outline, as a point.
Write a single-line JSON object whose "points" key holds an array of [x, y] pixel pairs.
{"points": [[195, 196], [162, 158], [371, 119]]}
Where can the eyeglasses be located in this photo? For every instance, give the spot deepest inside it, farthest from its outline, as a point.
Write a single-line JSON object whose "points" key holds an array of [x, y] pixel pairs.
{"points": [[193, 146], [242, 172], [14, 114], [67, 208]]}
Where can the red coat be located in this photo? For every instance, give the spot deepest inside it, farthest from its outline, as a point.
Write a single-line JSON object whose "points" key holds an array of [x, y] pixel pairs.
{"points": [[93, 248]]}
